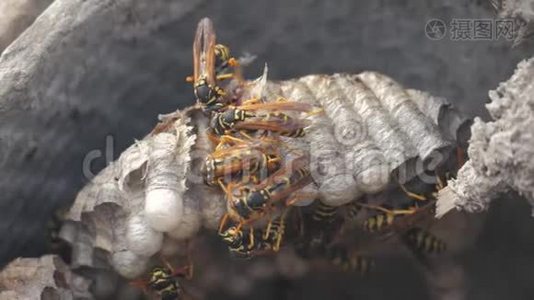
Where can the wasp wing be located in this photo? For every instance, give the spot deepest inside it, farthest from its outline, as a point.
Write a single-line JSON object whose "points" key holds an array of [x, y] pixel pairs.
{"points": [[275, 125], [279, 106], [204, 51]]}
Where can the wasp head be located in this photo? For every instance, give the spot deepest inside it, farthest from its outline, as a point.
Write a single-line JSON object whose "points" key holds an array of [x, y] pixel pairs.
{"points": [[232, 237]]}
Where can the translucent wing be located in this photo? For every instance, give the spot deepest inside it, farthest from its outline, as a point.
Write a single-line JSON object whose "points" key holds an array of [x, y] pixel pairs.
{"points": [[279, 106], [196, 51], [272, 125], [292, 165], [420, 217], [204, 51], [263, 144]]}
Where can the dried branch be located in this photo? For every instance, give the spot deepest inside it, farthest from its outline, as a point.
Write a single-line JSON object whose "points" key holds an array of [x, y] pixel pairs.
{"points": [[501, 151]]}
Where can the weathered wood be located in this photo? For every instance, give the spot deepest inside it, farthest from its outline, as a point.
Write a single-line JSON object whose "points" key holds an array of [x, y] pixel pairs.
{"points": [[16, 16], [501, 150]]}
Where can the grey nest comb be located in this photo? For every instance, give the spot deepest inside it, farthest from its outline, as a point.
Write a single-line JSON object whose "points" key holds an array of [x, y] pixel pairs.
{"points": [[152, 199]]}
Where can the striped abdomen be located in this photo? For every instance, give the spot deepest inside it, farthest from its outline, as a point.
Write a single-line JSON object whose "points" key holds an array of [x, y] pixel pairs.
{"points": [[423, 241], [350, 262], [324, 213], [378, 222]]}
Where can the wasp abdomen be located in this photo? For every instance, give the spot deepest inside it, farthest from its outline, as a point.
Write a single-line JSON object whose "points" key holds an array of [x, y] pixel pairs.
{"points": [[423, 241], [324, 213], [378, 222]]}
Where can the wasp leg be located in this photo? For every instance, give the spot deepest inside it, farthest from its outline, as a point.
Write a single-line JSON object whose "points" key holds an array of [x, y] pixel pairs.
{"points": [[251, 237], [394, 212], [220, 181], [228, 140], [167, 264], [190, 79], [188, 270], [300, 196], [214, 139], [185, 271], [240, 225], [219, 91], [225, 76], [233, 62], [223, 222], [280, 232], [414, 196], [246, 135], [279, 236], [231, 139], [268, 230]]}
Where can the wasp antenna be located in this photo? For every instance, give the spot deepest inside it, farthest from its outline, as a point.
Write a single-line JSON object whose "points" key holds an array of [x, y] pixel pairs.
{"points": [[414, 196]]}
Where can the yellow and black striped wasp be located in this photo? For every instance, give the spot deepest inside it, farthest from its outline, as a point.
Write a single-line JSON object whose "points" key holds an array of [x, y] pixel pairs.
{"points": [[250, 242], [224, 61], [324, 213], [243, 159], [249, 202], [320, 242], [163, 280], [421, 205], [407, 221], [269, 117], [385, 216], [320, 227], [208, 94], [349, 261], [422, 241]]}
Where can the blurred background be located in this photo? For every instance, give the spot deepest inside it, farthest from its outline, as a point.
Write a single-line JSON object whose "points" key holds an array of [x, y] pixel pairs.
{"points": [[104, 85]]}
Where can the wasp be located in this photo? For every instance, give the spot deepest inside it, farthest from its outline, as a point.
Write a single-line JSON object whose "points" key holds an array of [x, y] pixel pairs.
{"points": [[324, 213], [440, 184], [249, 242], [347, 261], [163, 281], [248, 202], [257, 159], [419, 205], [267, 116], [322, 227], [207, 92], [422, 241], [386, 216], [224, 61]]}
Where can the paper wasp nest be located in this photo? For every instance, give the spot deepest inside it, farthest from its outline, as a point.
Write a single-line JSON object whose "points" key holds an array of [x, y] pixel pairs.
{"points": [[153, 197]]}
